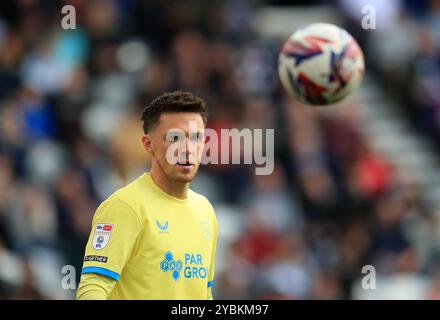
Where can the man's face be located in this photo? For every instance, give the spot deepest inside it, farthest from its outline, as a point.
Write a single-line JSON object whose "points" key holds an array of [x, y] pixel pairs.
{"points": [[176, 145]]}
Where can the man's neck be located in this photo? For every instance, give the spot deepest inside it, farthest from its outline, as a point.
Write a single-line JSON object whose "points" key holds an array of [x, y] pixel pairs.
{"points": [[175, 189]]}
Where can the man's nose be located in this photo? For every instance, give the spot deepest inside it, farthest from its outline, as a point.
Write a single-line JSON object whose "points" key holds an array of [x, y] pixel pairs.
{"points": [[188, 147]]}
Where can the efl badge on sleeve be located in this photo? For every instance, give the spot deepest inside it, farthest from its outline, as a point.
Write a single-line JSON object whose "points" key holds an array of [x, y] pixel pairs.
{"points": [[103, 231]]}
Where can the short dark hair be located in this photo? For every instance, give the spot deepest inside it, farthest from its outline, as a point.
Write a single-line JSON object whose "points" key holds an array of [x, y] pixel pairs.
{"points": [[175, 101]]}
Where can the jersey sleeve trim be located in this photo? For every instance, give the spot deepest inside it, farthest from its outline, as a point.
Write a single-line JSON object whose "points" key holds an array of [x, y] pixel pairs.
{"points": [[210, 284], [103, 271]]}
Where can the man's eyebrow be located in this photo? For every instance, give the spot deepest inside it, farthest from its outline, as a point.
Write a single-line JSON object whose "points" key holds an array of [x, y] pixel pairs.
{"points": [[175, 131]]}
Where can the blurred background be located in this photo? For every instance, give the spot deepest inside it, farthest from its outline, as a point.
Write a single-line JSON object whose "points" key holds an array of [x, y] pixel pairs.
{"points": [[354, 184]]}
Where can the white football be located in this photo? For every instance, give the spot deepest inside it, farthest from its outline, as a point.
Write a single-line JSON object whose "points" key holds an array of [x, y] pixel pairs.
{"points": [[321, 64]]}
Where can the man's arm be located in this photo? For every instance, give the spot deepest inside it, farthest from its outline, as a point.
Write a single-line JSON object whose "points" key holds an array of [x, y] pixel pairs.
{"points": [[94, 287], [115, 228], [211, 267]]}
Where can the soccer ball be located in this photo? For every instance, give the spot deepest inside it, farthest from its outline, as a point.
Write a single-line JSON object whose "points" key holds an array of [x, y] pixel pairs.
{"points": [[320, 64]]}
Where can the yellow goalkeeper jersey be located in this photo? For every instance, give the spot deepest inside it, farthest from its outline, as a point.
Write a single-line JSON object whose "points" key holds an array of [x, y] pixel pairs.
{"points": [[154, 245]]}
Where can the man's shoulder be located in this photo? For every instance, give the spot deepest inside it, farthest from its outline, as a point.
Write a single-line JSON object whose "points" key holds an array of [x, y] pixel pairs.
{"points": [[132, 195], [200, 200], [197, 197], [130, 191]]}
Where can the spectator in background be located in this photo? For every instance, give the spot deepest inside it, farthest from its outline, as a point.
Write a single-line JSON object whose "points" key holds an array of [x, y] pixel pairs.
{"points": [[332, 204]]}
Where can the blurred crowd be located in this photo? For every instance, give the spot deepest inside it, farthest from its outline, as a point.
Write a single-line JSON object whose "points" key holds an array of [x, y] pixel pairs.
{"points": [[70, 102], [409, 63]]}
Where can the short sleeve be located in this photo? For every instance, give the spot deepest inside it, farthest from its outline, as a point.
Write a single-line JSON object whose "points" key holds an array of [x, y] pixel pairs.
{"points": [[115, 228]]}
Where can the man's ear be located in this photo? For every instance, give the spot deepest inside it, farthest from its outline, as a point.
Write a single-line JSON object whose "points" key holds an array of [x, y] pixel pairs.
{"points": [[147, 142]]}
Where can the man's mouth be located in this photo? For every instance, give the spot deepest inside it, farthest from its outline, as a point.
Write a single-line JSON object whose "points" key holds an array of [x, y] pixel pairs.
{"points": [[185, 163]]}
